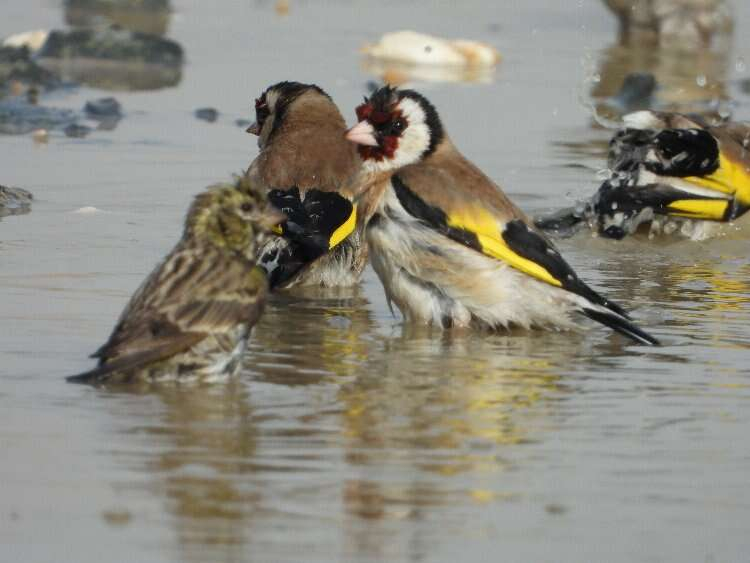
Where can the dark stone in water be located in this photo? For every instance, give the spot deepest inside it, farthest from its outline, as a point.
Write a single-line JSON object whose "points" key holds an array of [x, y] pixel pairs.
{"points": [[244, 123], [155, 5], [207, 114], [146, 16], [77, 131], [111, 44], [14, 201], [103, 108], [113, 58], [16, 64], [18, 116]]}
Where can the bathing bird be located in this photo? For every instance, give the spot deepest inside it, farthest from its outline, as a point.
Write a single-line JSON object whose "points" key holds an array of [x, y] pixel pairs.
{"points": [[449, 247]]}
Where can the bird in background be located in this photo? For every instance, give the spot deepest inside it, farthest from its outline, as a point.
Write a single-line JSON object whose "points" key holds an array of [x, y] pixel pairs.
{"points": [[667, 171], [309, 171], [449, 247], [192, 316]]}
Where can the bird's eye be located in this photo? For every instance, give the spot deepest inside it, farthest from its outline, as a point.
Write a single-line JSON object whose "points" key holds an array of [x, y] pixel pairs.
{"points": [[398, 126], [246, 207]]}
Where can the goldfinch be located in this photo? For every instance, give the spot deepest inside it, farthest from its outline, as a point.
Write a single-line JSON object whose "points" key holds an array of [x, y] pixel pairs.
{"points": [[310, 171], [449, 247], [192, 316], [669, 172]]}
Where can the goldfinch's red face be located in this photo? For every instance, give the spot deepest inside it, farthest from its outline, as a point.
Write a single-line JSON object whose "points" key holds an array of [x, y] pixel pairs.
{"points": [[395, 128]]}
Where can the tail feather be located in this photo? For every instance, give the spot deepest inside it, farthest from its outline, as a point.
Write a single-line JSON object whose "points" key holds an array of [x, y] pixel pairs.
{"points": [[124, 368], [95, 375], [620, 324]]}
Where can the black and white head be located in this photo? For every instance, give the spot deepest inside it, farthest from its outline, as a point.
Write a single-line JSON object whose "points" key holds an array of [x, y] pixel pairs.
{"points": [[396, 128], [273, 105]]}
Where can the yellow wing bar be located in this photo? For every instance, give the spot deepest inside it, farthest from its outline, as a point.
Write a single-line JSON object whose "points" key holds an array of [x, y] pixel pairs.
{"points": [[345, 229], [485, 227], [730, 178], [713, 209]]}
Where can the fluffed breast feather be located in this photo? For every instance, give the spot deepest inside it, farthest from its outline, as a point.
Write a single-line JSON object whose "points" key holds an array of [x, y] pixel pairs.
{"points": [[182, 301]]}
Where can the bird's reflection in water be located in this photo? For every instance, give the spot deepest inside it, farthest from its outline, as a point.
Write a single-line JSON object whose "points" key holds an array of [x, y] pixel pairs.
{"points": [[311, 333], [695, 293], [199, 453], [333, 419], [711, 298], [431, 423]]}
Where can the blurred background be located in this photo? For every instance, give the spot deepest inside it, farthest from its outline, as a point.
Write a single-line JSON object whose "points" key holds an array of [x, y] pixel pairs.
{"points": [[349, 436]]}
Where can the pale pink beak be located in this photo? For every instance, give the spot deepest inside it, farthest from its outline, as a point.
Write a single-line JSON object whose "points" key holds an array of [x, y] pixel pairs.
{"points": [[362, 133]]}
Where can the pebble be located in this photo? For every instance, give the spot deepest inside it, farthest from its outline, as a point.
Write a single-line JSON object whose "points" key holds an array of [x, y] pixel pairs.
{"points": [[207, 114]]}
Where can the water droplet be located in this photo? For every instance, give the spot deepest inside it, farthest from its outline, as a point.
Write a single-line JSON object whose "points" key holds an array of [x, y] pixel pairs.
{"points": [[554, 112], [596, 78], [701, 80], [740, 65]]}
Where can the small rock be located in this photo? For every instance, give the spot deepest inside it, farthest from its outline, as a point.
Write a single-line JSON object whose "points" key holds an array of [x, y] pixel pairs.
{"points": [[19, 69], [555, 509], [112, 44], [147, 16], [117, 517], [18, 117], [14, 201], [76, 131], [40, 136], [103, 108], [207, 114]]}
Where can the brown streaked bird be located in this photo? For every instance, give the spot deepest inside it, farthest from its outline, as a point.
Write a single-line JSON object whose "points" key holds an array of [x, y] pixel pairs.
{"points": [[192, 316], [310, 172], [449, 247], [668, 173]]}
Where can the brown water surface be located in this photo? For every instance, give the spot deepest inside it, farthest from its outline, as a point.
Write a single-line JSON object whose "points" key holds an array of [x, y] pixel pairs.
{"points": [[348, 436]]}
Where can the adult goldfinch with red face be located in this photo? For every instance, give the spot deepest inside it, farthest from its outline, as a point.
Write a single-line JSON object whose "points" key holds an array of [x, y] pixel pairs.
{"points": [[309, 170], [669, 172], [447, 244]]}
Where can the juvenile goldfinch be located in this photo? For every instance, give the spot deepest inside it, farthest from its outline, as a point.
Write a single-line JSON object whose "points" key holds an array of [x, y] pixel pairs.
{"points": [[192, 316], [447, 244], [309, 170], [669, 172]]}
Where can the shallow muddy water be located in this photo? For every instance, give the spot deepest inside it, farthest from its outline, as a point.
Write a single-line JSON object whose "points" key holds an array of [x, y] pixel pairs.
{"points": [[348, 436]]}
